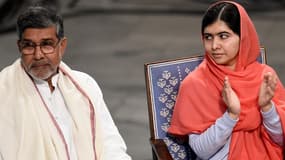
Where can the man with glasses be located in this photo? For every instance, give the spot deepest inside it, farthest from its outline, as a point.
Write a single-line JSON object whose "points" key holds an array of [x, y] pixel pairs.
{"points": [[49, 111]]}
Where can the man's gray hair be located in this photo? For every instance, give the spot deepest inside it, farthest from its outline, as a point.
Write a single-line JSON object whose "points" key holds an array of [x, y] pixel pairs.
{"points": [[39, 17]]}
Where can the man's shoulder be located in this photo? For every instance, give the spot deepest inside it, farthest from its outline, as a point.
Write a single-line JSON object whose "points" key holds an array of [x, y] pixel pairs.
{"points": [[80, 74], [85, 79]]}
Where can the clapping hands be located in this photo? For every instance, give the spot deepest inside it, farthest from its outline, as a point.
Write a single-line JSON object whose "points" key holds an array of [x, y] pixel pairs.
{"points": [[231, 99], [266, 91]]}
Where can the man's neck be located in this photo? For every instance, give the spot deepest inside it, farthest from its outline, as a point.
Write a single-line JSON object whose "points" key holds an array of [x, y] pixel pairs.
{"points": [[51, 87], [49, 81]]}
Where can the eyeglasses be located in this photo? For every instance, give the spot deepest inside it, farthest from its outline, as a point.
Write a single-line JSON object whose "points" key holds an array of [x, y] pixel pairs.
{"points": [[46, 46]]}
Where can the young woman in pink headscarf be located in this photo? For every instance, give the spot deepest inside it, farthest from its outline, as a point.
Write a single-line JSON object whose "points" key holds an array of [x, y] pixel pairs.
{"points": [[231, 106]]}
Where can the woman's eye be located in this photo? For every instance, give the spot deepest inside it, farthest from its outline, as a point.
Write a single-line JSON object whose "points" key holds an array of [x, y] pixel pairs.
{"points": [[208, 37], [224, 36]]}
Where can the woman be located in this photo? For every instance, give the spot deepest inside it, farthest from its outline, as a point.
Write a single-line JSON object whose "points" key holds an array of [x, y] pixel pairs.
{"points": [[231, 106]]}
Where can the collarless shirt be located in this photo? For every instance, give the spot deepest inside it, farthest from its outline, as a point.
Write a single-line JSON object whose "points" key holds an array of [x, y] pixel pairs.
{"points": [[59, 110]]}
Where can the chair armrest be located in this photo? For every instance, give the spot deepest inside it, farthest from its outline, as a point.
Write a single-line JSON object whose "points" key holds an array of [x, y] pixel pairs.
{"points": [[160, 149]]}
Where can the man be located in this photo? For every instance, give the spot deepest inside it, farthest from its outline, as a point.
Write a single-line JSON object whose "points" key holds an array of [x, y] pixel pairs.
{"points": [[47, 110]]}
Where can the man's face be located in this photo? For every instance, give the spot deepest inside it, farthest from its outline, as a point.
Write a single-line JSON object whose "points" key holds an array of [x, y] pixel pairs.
{"points": [[41, 51]]}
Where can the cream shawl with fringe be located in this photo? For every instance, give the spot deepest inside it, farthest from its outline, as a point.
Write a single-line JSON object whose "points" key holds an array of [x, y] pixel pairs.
{"points": [[27, 129]]}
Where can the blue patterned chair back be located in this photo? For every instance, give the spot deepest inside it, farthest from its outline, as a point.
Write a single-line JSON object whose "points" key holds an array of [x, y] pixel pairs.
{"points": [[163, 80]]}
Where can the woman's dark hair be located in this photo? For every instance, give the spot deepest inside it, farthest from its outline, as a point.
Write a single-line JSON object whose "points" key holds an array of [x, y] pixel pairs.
{"points": [[39, 17], [227, 12]]}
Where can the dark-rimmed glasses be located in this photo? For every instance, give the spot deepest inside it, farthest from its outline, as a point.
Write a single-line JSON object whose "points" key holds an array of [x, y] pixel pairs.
{"points": [[46, 46]]}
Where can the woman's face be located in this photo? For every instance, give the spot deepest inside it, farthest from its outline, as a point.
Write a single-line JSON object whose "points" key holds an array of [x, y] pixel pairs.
{"points": [[221, 43]]}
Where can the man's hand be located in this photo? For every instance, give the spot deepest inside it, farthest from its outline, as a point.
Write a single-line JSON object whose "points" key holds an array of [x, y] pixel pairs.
{"points": [[231, 99], [266, 91]]}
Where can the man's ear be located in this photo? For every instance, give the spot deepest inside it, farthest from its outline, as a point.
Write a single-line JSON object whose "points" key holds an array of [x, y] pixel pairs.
{"points": [[19, 47], [63, 45]]}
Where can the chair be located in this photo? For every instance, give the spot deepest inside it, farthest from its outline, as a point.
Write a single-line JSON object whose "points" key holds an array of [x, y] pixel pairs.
{"points": [[162, 83]]}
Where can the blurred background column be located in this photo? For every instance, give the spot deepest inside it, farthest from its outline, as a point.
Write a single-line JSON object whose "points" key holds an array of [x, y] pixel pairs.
{"points": [[10, 9]]}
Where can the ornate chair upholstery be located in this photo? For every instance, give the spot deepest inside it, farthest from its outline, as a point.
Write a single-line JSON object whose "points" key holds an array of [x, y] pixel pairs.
{"points": [[162, 83]]}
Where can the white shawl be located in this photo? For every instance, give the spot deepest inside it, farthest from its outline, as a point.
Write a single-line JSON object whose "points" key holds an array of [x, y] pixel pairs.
{"points": [[27, 129]]}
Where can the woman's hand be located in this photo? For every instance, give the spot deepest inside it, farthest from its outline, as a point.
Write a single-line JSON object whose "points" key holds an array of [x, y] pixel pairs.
{"points": [[266, 91], [231, 99]]}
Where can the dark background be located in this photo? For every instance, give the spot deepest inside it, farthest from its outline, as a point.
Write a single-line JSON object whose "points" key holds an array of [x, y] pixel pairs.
{"points": [[112, 39]]}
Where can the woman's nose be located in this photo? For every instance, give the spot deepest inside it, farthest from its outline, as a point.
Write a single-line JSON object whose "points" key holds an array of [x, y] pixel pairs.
{"points": [[215, 44]]}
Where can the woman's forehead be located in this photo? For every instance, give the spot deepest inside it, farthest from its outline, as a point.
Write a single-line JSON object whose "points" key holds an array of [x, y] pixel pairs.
{"points": [[217, 27]]}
